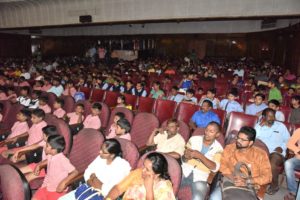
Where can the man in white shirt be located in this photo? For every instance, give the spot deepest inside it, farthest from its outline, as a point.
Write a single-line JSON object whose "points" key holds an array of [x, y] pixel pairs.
{"points": [[201, 157]]}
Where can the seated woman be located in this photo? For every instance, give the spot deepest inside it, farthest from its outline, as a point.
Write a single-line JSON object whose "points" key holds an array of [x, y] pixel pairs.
{"points": [[150, 182], [107, 170]]}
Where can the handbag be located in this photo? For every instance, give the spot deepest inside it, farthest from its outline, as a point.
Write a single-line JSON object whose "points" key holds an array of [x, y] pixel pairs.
{"points": [[232, 192], [85, 192]]}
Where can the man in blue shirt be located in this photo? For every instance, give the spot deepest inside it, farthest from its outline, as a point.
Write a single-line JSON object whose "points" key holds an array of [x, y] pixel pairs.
{"points": [[275, 135], [203, 117], [258, 106]]}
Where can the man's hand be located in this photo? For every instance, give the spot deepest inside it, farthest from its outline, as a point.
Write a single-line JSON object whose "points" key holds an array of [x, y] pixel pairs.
{"points": [[189, 153]]}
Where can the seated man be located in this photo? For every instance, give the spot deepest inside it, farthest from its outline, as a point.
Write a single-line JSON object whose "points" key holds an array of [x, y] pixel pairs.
{"points": [[202, 156], [244, 151], [292, 164], [204, 116], [275, 135], [168, 141]]}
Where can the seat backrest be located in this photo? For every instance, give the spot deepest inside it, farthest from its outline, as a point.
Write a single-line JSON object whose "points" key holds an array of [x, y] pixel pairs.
{"points": [[174, 170], [69, 104], [12, 115], [6, 108], [86, 91], [184, 129], [145, 104], [104, 115], [206, 85], [13, 184], [131, 99], [110, 98], [86, 147], [221, 114], [128, 115], [237, 120], [185, 111], [290, 127], [97, 95], [129, 152], [87, 107], [142, 127], [51, 99], [286, 110], [201, 131], [164, 109]]}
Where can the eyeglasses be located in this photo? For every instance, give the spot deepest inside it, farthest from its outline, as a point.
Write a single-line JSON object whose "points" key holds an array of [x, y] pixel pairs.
{"points": [[242, 139]]}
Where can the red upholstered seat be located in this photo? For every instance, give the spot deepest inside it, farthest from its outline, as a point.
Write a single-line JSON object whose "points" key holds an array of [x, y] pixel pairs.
{"points": [[290, 127], [129, 152], [185, 111], [110, 98], [131, 99], [145, 104], [97, 95], [184, 129], [164, 109], [237, 120], [104, 115], [69, 103], [86, 91], [174, 170], [221, 114], [142, 127], [11, 118], [85, 149], [51, 99], [286, 111], [13, 184]]}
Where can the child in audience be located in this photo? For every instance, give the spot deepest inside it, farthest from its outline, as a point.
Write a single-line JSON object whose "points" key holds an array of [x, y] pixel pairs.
{"points": [[93, 120], [274, 92], [189, 97], [34, 102], [187, 83], [35, 133], [75, 119], [275, 105], [47, 84], [38, 85], [59, 170], [200, 91], [122, 130], [19, 127], [121, 102], [230, 104], [58, 105], [295, 114], [43, 104], [24, 98], [29, 169], [258, 106], [113, 127], [69, 89], [210, 95]]}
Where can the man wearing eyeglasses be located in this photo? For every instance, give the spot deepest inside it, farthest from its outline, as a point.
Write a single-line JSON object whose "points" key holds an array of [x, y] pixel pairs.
{"points": [[243, 150], [275, 135]]}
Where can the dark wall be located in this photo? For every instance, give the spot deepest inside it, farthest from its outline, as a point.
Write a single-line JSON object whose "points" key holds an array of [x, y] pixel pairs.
{"points": [[12, 45]]}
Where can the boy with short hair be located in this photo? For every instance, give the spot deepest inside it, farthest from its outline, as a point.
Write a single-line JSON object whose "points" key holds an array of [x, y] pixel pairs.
{"points": [[211, 96], [59, 170], [230, 104], [34, 102], [274, 104], [93, 120], [43, 104], [113, 127], [59, 112], [258, 106], [189, 97], [274, 92], [24, 99], [123, 129]]}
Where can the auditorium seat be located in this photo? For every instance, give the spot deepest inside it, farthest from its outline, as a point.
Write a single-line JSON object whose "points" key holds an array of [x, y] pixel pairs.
{"points": [[86, 91], [97, 95], [110, 98], [69, 104], [130, 100], [174, 170], [13, 184], [128, 115], [286, 111], [184, 129], [129, 152], [290, 127], [222, 115], [185, 111], [164, 109], [104, 115], [145, 104], [142, 126], [51, 99]]}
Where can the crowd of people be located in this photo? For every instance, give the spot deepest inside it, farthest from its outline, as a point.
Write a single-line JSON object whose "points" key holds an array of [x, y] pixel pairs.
{"points": [[259, 89]]}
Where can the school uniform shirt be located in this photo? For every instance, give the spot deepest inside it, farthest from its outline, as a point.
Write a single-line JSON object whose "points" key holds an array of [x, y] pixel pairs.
{"points": [[112, 134], [18, 128], [59, 113], [199, 170], [58, 90], [36, 133], [109, 175], [173, 144], [178, 98], [72, 92], [46, 108], [73, 118], [140, 93], [92, 122], [275, 136], [193, 99], [25, 101], [58, 168], [202, 119], [253, 109], [230, 106], [34, 103]]}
